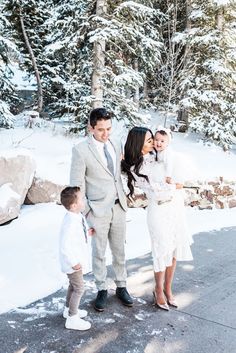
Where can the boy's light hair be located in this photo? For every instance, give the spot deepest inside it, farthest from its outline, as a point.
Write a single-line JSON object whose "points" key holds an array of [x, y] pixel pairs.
{"points": [[69, 196]]}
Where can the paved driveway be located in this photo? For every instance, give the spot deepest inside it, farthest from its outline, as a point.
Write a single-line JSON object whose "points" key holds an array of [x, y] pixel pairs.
{"points": [[205, 321]]}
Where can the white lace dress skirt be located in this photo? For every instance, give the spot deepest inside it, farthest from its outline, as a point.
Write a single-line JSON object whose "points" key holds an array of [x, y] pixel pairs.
{"points": [[168, 231], [166, 220]]}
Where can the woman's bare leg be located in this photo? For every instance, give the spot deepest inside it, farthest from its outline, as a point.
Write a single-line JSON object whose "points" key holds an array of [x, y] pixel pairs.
{"points": [[159, 287], [169, 276]]}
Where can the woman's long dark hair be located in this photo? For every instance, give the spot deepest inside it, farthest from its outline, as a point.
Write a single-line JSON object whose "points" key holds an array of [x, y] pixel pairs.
{"points": [[133, 156]]}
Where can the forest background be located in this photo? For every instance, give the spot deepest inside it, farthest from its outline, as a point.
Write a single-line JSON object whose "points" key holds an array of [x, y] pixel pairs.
{"points": [[128, 56]]}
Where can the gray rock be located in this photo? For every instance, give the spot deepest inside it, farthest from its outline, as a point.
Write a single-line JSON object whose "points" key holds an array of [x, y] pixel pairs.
{"points": [[43, 190], [17, 171]]}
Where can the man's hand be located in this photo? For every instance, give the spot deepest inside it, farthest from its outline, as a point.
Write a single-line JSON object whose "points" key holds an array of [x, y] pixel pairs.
{"points": [[179, 186]]}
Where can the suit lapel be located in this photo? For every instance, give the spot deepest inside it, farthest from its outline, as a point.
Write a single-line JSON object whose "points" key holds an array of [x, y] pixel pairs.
{"points": [[94, 150]]}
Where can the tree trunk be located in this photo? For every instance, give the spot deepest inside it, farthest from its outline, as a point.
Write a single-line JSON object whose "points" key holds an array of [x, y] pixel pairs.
{"points": [[145, 90], [98, 61], [27, 43], [220, 19], [136, 93], [188, 26], [172, 57], [220, 26], [183, 113]]}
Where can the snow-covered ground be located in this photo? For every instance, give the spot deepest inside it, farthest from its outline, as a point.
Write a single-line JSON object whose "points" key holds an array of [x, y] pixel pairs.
{"points": [[29, 267]]}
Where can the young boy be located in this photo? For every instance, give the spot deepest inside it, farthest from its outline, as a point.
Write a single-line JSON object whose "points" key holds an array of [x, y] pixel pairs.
{"points": [[162, 140], [74, 256]]}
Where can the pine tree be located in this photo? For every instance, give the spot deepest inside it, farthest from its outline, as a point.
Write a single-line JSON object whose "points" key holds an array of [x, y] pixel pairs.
{"points": [[63, 39], [69, 60], [166, 83], [8, 97], [27, 19], [211, 83], [132, 52]]}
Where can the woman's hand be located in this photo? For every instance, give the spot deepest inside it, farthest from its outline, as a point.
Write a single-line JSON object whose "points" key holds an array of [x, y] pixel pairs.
{"points": [[179, 186], [77, 267]]}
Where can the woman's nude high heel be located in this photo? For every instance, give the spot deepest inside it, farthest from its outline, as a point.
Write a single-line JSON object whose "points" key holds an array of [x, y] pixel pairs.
{"points": [[164, 306], [171, 302]]}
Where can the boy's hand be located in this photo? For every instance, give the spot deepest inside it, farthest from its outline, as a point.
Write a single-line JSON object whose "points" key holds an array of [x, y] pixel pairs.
{"points": [[91, 231], [179, 186], [77, 267]]}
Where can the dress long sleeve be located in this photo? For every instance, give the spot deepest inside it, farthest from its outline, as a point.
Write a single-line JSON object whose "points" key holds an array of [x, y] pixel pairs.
{"points": [[155, 187]]}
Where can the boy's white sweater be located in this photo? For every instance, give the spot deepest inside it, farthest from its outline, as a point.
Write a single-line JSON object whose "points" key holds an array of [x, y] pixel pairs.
{"points": [[73, 248]]}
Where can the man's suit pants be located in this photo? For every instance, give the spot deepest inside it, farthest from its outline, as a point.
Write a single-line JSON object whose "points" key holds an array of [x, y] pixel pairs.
{"points": [[109, 228]]}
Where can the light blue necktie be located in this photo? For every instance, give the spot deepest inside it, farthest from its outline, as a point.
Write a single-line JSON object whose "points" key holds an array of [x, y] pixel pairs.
{"points": [[110, 164]]}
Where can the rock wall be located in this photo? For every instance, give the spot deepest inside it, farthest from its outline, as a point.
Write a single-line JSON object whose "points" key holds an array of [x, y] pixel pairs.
{"points": [[210, 194]]}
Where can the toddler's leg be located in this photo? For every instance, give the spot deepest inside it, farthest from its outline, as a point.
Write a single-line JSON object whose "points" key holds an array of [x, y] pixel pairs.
{"points": [[68, 295], [77, 285]]}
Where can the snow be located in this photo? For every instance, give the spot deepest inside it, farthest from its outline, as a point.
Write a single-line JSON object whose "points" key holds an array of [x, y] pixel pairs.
{"points": [[50, 150], [7, 193], [222, 2], [29, 267], [21, 80], [13, 153]]}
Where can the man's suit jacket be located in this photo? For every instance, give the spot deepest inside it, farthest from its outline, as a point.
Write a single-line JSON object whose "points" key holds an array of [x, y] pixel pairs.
{"points": [[97, 183]]}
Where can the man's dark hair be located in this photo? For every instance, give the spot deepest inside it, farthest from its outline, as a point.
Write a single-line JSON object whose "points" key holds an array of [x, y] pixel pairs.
{"points": [[69, 196], [98, 114]]}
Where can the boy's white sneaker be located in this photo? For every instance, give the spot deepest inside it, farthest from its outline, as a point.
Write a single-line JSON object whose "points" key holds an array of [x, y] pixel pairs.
{"points": [[81, 313], [75, 323], [65, 313]]}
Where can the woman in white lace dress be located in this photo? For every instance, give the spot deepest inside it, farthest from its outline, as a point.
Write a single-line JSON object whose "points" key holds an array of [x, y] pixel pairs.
{"points": [[165, 213]]}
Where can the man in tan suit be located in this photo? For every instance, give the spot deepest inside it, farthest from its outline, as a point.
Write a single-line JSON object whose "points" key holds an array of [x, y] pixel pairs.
{"points": [[95, 168]]}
